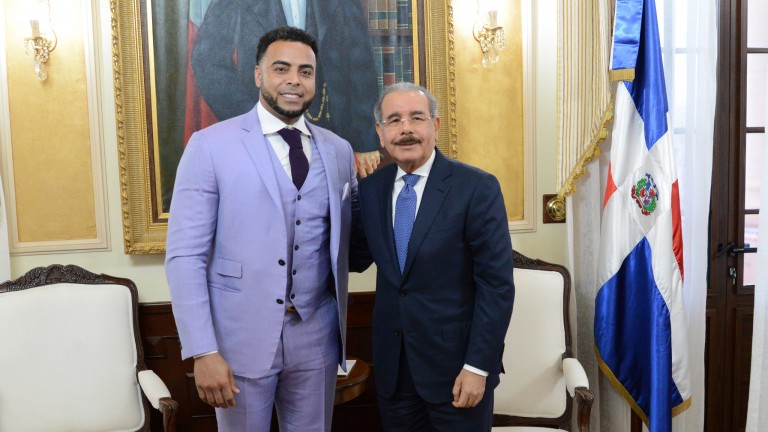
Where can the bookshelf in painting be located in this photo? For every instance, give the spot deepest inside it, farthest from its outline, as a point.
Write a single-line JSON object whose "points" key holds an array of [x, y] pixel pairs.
{"points": [[390, 23]]}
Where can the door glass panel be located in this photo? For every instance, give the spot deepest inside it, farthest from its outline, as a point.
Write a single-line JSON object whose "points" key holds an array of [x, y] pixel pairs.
{"points": [[756, 73], [670, 11], [753, 170], [750, 268], [681, 72], [751, 222], [757, 31]]}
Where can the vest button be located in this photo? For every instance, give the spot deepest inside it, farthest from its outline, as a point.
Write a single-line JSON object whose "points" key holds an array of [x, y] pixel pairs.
{"points": [[293, 272], [293, 296], [279, 301], [403, 293], [281, 262], [296, 247], [398, 333], [298, 198], [298, 222]]}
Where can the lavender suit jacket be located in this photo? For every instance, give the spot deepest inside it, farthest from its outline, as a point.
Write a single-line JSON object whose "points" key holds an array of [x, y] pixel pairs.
{"points": [[227, 239]]}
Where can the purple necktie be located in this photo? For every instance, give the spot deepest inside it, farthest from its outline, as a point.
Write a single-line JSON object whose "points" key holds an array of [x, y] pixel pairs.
{"points": [[296, 156]]}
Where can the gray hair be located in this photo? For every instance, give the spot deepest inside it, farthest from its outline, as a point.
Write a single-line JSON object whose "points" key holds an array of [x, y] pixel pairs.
{"points": [[404, 87]]}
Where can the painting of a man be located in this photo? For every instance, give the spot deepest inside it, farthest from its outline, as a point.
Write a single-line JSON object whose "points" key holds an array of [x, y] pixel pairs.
{"points": [[219, 82], [223, 63]]}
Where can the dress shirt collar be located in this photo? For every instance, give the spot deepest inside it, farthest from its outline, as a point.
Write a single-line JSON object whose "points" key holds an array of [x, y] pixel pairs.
{"points": [[422, 171], [295, 13], [271, 124]]}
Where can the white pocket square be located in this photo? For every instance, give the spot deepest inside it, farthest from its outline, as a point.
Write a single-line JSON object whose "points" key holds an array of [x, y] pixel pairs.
{"points": [[345, 192]]}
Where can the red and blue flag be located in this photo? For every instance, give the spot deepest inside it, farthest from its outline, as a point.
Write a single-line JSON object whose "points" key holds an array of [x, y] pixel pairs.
{"points": [[640, 325]]}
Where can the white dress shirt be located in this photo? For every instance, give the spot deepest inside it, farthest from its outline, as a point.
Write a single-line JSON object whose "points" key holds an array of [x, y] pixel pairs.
{"points": [[295, 13], [271, 124], [423, 173]]}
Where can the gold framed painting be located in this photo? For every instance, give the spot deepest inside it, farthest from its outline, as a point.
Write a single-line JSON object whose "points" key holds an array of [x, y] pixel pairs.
{"points": [[159, 103]]}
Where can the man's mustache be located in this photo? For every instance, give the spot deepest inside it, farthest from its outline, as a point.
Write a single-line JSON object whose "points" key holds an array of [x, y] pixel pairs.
{"points": [[408, 139]]}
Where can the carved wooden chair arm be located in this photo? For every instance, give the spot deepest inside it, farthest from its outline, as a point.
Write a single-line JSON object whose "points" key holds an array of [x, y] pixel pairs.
{"points": [[584, 399], [578, 386], [159, 397], [169, 407]]}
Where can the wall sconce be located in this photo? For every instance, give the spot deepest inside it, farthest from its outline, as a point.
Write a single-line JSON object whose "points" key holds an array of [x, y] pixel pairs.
{"points": [[42, 41], [489, 34]]}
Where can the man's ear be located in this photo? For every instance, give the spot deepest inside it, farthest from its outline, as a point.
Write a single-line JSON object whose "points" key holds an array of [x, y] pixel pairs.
{"points": [[257, 76], [380, 133]]}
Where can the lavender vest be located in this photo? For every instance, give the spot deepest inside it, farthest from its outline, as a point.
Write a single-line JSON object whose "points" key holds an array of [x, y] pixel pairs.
{"points": [[308, 224]]}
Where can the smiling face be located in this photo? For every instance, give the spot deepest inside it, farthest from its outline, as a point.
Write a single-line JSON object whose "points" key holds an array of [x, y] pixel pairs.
{"points": [[410, 145], [286, 79]]}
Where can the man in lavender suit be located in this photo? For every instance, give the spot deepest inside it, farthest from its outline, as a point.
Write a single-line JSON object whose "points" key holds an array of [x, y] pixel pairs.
{"points": [[257, 251]]}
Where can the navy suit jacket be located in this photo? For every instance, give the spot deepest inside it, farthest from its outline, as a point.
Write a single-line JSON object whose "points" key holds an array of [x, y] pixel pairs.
{"points": [[346, 76], [453, 302]]}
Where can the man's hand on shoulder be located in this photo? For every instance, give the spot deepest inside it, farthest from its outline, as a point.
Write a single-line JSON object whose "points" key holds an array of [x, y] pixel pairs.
{"points": [[366, 163], [214, 381], [468, 389]]}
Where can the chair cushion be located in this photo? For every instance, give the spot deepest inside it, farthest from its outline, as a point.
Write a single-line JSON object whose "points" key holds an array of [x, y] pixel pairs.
{"points": [[533, 385], [68, 360]]}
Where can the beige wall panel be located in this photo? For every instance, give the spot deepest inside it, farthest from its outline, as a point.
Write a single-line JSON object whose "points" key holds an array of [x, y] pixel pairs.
{"points": [[51, 148], [490, 103]]}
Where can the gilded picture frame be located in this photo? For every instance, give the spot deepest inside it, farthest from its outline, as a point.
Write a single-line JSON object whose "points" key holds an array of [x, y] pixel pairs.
{"points": [[434, 66], [144, 221]]}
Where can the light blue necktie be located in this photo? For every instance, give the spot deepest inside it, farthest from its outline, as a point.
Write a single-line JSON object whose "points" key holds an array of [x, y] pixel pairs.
{"points": [[405, 213]]}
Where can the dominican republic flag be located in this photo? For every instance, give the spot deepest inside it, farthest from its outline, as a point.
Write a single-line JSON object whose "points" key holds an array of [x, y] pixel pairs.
{"points": [[640, 335]]}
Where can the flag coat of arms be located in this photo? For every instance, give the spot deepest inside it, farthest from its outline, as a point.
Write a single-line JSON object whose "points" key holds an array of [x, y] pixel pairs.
{"points": [[640, 335]]}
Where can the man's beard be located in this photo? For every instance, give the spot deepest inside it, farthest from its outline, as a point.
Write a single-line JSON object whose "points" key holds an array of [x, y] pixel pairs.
{"points": [[272, 102]]}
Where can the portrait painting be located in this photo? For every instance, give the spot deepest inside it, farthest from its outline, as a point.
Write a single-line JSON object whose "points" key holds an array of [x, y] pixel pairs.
{"points": [[204, 54], [182, 65]]}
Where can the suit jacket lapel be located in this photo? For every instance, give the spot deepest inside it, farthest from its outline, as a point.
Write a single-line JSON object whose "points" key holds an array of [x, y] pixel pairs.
{"points": [[331, 164], [269, 13], [256, 145], [320, 13], [381, 192], [435, 192]]}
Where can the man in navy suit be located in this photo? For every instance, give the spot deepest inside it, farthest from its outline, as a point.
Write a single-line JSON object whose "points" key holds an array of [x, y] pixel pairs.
{"points": [[437, 231]]}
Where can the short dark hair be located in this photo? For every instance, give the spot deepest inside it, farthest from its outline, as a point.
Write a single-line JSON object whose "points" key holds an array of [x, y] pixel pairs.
{"points": [[291, 34]]}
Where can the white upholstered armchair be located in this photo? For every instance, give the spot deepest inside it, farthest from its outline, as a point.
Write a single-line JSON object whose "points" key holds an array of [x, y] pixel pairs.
{"points": [[542, 378], [71, 356]]}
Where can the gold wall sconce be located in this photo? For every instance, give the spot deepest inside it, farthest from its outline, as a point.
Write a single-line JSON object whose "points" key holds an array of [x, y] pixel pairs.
{"points": [[43, 40], [489, 34]]}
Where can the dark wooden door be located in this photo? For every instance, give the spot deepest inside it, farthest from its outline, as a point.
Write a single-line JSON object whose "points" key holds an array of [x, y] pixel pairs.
{"points": [[739, 137]]}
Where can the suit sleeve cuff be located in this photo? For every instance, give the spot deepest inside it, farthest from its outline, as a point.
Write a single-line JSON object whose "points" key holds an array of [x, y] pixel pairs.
{"points": [[208, 353], [476, 370]]}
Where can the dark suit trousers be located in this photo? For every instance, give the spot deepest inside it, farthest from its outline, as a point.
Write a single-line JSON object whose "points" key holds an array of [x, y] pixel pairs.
{"points": [[406, 411]]}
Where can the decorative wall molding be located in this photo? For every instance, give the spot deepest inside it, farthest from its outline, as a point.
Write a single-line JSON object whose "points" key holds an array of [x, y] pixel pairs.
{"points": [[528, 222], [101, 241]]}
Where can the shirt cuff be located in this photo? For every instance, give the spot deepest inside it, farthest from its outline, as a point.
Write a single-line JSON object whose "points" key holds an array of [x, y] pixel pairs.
{"points": [[205, 354], [472, 369]]}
